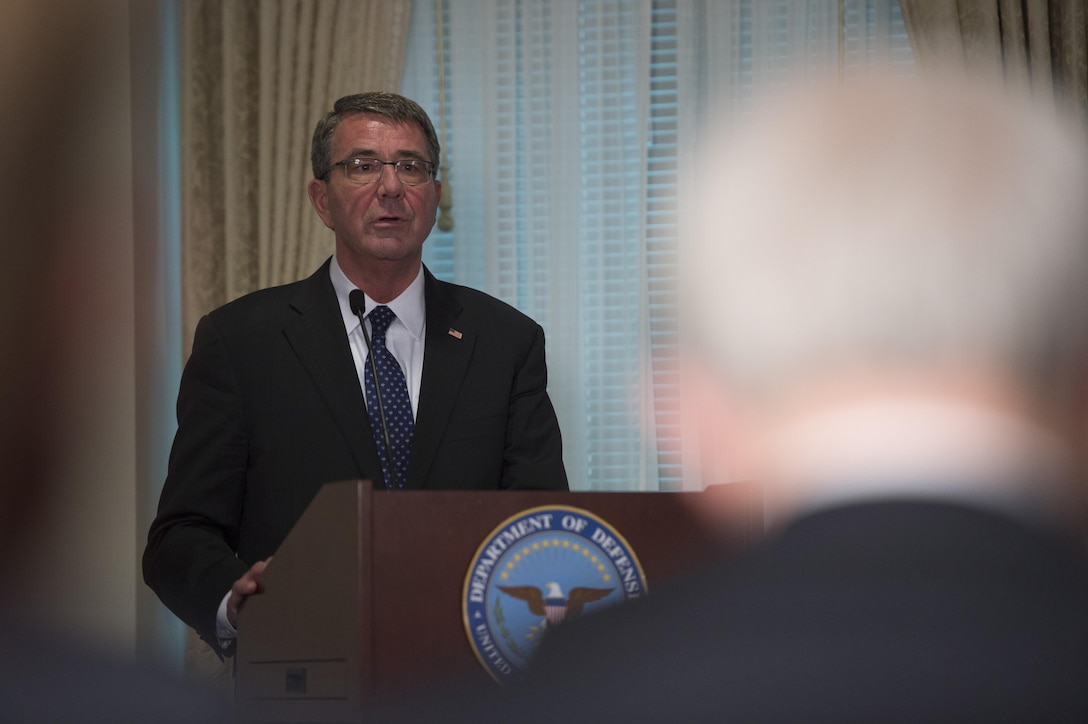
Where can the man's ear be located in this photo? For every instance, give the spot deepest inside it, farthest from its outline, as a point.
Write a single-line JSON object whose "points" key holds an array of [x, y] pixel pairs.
{"points": [[711, 426], [719, 443], [318, 191], [1080, 430]]}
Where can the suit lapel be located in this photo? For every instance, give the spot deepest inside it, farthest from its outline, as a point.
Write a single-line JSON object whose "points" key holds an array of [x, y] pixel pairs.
{"points": [[445, 360], [316, 333]]}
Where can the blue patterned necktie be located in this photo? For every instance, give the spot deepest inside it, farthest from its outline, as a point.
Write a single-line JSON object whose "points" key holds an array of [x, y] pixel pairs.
{"points": [[395, 401]]}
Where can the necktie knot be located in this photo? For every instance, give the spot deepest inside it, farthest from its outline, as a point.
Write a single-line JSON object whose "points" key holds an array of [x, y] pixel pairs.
{"points": [[380, 319]]}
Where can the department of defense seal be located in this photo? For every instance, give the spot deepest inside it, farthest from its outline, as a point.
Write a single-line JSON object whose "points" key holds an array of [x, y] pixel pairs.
{"points": [[535, 570]]}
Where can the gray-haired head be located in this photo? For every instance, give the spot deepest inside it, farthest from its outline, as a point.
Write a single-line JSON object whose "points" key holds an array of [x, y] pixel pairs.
{"points": [[894, 225], [395, 107]]}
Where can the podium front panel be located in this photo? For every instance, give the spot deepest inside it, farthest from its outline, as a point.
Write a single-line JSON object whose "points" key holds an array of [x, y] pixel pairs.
{"points": [[364, 598]]}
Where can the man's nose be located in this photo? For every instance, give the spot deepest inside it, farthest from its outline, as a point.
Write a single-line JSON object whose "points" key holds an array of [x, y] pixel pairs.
{"points": [[389, 182]]}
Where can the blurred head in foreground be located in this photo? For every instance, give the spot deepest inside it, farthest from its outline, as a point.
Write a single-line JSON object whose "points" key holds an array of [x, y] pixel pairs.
{"points": [[56, 214], [890, 279], [46, 63], [889, 283]]}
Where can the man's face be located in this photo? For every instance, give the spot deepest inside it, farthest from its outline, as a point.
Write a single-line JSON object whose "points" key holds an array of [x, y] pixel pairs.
{"points": [[385, 221]]}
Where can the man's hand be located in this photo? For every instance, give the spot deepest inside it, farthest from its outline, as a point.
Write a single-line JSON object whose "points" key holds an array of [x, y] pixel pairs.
{"points": [[246, 586]]}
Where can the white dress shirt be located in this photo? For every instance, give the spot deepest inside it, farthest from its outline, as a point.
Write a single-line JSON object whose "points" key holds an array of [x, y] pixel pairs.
{"points": [[406, 335]]}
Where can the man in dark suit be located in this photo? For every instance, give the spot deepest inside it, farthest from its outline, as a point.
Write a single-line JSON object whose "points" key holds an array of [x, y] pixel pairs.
{"points": [[271, 404], [890, 280]]}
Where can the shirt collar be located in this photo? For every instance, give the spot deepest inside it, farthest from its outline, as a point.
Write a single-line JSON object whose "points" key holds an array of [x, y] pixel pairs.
{"points": [[902, 449], [409, 305]]}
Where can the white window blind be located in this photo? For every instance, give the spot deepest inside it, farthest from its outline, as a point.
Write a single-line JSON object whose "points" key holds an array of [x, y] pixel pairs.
{"points": [[569, 125]]}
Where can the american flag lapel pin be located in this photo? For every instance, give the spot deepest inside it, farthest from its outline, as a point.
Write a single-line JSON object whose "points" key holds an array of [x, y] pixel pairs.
{"points": [[454, 333]]}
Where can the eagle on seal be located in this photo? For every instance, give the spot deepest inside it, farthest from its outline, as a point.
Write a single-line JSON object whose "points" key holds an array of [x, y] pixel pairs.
{"points": [[554, 605]]}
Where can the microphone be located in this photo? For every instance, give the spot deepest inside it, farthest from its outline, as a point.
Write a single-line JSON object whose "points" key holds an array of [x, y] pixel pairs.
{"points": [[357, 302]]}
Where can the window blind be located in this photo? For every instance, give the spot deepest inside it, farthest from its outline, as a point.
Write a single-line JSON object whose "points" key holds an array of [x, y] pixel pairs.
{"points": [[568, 129]]}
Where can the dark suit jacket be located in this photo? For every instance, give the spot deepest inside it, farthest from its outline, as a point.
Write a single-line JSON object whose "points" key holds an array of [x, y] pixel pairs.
{"points": [[911, 612], [270, 408]]}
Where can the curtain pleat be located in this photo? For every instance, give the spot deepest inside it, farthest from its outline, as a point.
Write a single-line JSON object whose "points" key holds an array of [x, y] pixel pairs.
{"points": [[1032, 44], [256, 78]]}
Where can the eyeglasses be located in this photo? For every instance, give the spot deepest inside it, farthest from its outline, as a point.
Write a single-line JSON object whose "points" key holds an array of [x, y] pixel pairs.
{"points": [[410, 171]]}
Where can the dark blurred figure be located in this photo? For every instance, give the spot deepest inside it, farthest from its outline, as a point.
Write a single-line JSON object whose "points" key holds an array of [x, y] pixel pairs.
{"points": [[49, 69], [888, 285]]}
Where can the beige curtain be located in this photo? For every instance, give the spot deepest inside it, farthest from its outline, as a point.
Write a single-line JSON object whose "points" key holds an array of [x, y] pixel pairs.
{"points": [[1037, 44], [257, 75]]}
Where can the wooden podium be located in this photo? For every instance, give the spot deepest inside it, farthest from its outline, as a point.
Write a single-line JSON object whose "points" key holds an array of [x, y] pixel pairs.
{"points": [[364, 597]]}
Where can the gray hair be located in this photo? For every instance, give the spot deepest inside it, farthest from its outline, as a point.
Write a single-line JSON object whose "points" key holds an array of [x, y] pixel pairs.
{"points": [[894, 225], [390, 105]]}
